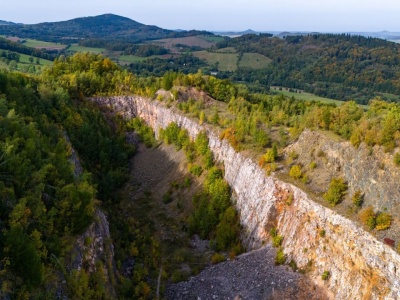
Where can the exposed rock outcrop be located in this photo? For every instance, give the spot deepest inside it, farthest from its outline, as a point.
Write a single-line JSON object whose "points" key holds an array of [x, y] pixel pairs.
{"points": [[368, 169], [93, 248], [360, 266]]}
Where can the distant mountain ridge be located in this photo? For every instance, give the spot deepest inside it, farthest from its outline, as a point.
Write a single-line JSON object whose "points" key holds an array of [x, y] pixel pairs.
{"points": [[2, 22], [107, 26]]}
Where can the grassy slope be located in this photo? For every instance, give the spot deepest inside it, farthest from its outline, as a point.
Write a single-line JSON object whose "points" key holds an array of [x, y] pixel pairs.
{"points": [[131, 58], [41, 44], [77, 48], [305, 96], [227, 61], [25, 59], [254, 61]]}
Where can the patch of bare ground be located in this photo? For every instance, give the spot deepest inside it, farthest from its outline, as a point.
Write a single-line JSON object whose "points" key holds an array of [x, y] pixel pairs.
{"points": [[251, 275]]}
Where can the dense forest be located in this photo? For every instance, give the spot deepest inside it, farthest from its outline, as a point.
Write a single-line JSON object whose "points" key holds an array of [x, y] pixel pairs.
{"points": [[44, 205], [337, 66]]}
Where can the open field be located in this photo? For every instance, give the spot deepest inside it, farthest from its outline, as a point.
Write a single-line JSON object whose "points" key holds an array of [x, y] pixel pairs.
{"points": [[390, 97], [213, 39], [131, 58], [191, 41], [226, 50], [43, 45], [25, 59], [77, 48], [254, 61], [304, 96], [226, 61]]}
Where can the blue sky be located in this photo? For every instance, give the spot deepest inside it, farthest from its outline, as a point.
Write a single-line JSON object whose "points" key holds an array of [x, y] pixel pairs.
{"points": [[261, 15]]}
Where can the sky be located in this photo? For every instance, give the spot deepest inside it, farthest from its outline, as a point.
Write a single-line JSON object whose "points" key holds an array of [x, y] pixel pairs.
{"points": [[220, 15]]}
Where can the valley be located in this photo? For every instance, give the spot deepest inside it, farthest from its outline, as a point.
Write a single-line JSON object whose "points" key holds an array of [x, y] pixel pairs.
{"points": [[138, 162]]}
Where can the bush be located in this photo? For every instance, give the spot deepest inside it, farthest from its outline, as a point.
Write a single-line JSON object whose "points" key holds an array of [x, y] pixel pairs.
{"points": [[277, 240], [383, 221], [228, 230], [217, 258], [322, 233], [396, 159], [280, 257], [195, 170], [293, 265], [336, 191], [367, 217], [167, 197], [357, 199], [295, 172], [313, 165], [326, 275]]}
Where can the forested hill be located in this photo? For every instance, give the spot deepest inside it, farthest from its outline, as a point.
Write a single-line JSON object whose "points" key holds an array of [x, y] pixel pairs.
{"points": [[106, 26], [338, 66]]}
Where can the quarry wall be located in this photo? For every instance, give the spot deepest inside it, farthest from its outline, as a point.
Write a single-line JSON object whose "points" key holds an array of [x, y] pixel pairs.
{"points": [[360, 266]]}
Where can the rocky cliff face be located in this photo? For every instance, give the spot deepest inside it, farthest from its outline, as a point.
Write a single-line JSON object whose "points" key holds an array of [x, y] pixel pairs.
{"points": [[368, 169], [94, 246], [360, 266]]}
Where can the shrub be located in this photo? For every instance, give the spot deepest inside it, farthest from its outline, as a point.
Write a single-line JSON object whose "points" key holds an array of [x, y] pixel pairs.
{"points": [[280, 257], [336, 191], [357, 199], [269, 156], [229, 135], [313, 165], [208, 159], [277, 240], [326, 275], [367, 217], [201, 143], [396, 158], [195, 170], [293, 155], [217, 258], [383, 221], [228, 230], [322, 233], [187, 182], [295, 172], [293, 265], [167, 197]]}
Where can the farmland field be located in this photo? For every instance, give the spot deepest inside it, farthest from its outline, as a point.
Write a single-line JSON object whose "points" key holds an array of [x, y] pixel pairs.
{"points": [[43, 45], [226, 61], [130, 58], [226, 50], [190, 41], [77, 48], [254, 61], [213, 39], [304, 96], [25, 59]]}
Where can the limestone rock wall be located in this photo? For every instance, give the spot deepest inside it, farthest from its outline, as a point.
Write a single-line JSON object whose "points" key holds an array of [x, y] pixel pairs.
{"points": [[360, 266], [368, 169]]}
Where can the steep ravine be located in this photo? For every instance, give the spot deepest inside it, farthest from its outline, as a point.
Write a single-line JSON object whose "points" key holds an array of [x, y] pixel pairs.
{"points": [[360, 266]]}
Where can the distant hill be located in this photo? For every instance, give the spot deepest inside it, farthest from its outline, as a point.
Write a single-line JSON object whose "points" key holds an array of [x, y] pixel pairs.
{"points": [[106, 26], [236, 33], [337, 66], [7, 23]]}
